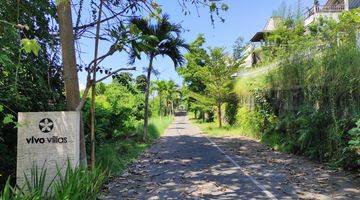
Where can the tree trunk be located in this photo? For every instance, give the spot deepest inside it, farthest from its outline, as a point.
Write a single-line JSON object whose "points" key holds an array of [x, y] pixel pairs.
{"points": [[93, 89], [219, 115], [147, 93], [70, 71], [160, 104]]}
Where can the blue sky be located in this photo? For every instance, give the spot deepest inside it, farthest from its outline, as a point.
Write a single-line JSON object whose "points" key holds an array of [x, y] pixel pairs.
{"points": [[244, 18]]}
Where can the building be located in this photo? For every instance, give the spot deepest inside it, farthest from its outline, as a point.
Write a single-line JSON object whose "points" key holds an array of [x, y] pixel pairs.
{"points": [[253, 49], [332, 9]]}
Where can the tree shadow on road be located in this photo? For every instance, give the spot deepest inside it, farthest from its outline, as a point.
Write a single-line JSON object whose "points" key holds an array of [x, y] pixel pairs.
{"points": [[190, 167]]}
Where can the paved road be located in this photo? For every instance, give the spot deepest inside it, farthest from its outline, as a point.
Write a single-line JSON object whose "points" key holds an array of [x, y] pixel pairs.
{"points": [[184, 164]]}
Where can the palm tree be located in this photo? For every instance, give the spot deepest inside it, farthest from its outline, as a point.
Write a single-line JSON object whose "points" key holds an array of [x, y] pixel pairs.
{"points": [[171, 89], [166, 41], [160, 87]]}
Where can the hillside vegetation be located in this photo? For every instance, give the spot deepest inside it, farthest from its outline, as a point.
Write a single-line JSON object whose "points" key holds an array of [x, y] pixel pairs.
{"points": [[309, 104]]}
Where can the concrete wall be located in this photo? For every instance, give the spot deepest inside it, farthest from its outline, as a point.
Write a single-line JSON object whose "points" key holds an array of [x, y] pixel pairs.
{"points": [[314, 17]]}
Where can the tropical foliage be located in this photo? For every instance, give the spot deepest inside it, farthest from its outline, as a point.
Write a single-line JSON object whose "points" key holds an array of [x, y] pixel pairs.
{"points": [[168, 96], [208, 76], [309, 103], [163, 40], [32, 78], [30, 70]]}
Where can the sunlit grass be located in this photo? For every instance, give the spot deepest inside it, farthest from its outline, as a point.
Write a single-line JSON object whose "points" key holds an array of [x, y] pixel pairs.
{"points": [[212, 129], [158, 125]]}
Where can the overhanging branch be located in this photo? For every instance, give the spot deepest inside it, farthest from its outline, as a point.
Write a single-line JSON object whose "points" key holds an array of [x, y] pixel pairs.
{"points": [[114, 72]]}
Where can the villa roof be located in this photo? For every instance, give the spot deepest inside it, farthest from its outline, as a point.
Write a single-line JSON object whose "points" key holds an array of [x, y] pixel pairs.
{"points": [[269, 27], [259, 36]]}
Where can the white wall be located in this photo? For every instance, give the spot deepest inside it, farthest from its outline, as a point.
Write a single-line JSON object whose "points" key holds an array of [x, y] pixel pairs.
{"points": [[331, 15]]}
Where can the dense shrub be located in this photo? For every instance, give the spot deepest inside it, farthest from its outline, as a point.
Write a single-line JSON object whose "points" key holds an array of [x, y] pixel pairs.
{"points": [[29, 82], [119, 110], [307, 105], [231, 109], [249, 121]]}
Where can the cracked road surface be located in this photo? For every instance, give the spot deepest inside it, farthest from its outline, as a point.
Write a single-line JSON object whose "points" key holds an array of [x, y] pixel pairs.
{"points": [[185, 164]]}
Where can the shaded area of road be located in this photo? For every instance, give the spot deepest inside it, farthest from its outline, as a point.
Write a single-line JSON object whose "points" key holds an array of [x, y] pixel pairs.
{"points": [[184, 164]]}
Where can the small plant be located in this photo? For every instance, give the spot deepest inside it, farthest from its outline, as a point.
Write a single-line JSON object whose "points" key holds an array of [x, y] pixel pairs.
{"points": [[79, 183], [35, 186], [354, 143], [75, 183]]}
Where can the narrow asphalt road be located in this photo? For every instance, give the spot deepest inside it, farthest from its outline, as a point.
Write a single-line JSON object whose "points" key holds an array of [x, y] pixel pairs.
{"points": [[185, 164]]}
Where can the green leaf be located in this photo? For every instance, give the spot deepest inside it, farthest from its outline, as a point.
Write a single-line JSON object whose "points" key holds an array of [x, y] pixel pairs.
{"points": [[136, 50], [150, 38], [213, 7], [145, 47], [224, 7], [134, 29], [1, 108], [30, 45], [5, 60], [8, 119]]}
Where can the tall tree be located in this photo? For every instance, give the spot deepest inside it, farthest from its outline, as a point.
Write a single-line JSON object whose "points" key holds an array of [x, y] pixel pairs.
{"points": [[168, 93], [214, 70], [140, 83], [160, 87], [70, 70], [93, 87], [218, 78], [239, 48], [171, 96], [165, 40]]}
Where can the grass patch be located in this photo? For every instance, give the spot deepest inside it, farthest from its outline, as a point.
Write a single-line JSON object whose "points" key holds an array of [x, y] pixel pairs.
{"points": [[117, 155], [213, 130]]}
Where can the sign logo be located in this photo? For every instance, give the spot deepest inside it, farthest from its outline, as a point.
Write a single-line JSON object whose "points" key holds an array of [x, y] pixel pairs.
{"points": [[46, 125]]}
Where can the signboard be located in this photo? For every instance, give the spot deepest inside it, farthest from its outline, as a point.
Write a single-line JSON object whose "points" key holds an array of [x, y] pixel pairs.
{"points": [[48, 140]]}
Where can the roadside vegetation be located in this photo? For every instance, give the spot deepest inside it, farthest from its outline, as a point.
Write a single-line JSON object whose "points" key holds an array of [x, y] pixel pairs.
{"points": [[33, 75], [119, 139], [307, 105]]}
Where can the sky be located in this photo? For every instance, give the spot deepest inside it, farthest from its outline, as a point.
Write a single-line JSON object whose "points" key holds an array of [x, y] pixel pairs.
{"points": [[244, 18]]}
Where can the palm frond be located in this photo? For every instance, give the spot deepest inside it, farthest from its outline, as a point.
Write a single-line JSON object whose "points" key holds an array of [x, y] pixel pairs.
{"points": [[168, 43]]}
